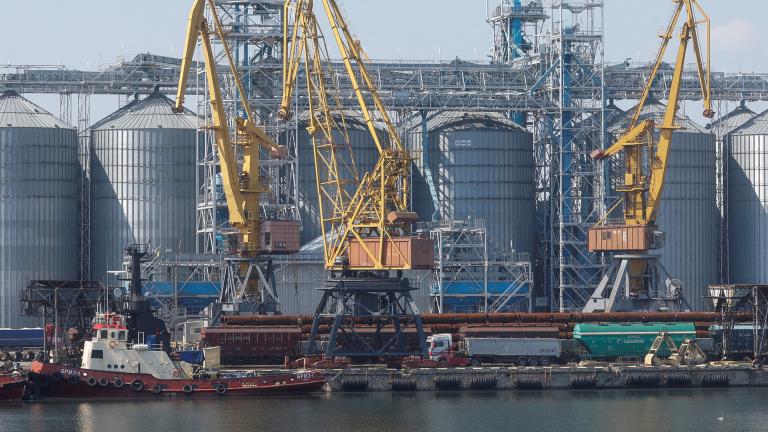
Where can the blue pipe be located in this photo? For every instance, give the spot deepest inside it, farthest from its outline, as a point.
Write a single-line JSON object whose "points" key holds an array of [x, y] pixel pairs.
{"points": [[516, 29]]}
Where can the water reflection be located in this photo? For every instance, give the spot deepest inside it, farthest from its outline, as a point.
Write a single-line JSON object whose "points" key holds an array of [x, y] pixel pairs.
{"points": [[583, 410]]}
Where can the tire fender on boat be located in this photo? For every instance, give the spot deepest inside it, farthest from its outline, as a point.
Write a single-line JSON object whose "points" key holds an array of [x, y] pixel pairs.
{"points": [[103, 382], [137, 385], [187, 389], [92, 381], [56, 377], [74, 379], [156, 389], [221, 388], [118, 383]]}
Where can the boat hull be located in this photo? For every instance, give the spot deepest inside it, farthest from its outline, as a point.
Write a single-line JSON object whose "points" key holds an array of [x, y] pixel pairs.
{"points": [[58, 381], [12, 388]]}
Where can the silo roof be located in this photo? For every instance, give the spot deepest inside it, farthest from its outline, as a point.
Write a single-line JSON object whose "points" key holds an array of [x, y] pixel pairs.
{"points": [[153, 112], [353, 119], [757, 125], [654, 109], [731, 121], [457, 121], [18, 112]]}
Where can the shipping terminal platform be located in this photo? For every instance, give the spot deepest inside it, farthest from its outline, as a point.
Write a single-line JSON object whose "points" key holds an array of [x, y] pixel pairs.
{"points": [[602, 376]]}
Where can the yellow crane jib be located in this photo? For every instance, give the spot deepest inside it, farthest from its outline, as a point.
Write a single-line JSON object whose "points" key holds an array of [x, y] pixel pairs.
{"points": [[366, 221], [242, 187], [645, 157]]}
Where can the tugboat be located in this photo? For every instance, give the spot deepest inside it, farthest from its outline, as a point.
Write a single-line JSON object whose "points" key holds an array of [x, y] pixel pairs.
{"points": [[128, 356]]}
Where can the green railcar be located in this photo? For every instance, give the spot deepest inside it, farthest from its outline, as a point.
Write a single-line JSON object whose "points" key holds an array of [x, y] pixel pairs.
{"points": [[628, 340]]}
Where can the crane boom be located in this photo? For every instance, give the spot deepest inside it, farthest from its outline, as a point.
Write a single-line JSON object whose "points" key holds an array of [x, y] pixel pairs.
{"points": [[367, 227], [242, 187], [643, 191], [365, 221], [636, 279]]}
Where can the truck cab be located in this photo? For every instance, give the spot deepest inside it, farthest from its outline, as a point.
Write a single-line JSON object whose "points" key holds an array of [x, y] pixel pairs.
{"points": [[438, 345]]}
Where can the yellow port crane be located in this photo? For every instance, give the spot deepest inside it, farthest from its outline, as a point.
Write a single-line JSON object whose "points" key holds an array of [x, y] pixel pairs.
{"points": [[242, 184], [633, 279], [366, 222]]}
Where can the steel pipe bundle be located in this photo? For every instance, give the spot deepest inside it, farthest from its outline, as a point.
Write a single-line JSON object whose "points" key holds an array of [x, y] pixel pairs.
{"points": [[501, 318]]}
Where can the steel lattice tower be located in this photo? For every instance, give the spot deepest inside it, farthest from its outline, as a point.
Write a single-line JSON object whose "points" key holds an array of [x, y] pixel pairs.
{"points": [[568, 55], [255, 36], [576, 86]]}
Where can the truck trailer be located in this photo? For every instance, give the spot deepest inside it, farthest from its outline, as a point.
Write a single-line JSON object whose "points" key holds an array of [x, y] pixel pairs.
{"points": [[519, 351]]}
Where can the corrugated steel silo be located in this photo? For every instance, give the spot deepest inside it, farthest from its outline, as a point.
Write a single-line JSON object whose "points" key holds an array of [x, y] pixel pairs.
{"points": [[364, 153], [688, 213], [143, 181], [748, 200], [481, 166], [731, 121], [39, 184], [722, 127]]}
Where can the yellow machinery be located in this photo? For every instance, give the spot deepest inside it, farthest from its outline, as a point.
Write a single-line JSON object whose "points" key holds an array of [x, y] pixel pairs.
{"points": [[637, 280], [689, 352], [366, 221], [242, 185]]}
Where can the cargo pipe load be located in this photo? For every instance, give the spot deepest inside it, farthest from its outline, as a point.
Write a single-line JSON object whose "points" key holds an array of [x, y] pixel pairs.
{"points": [[432, 319]]}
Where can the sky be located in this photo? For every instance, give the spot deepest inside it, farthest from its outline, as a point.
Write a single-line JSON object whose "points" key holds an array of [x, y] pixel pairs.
{"points": [[91, 34]]}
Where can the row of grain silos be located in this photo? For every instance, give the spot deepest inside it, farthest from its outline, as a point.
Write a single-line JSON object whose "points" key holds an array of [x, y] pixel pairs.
{"points": [[689, 213], [143, 190], [480, 165]]}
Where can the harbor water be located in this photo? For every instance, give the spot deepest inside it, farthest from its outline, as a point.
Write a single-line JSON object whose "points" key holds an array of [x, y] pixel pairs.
{"points": [[657, 410]]}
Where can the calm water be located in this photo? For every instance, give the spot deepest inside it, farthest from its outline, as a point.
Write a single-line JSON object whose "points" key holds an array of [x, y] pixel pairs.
{"points": [[614, 411]]}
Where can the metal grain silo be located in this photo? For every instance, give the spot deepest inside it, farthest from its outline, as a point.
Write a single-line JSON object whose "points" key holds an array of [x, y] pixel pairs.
{"points": [[364, 153], [688, 213], [731, 121], [481, 165], [748, 200], [722, 127], [39, 184], [143, 181]]}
